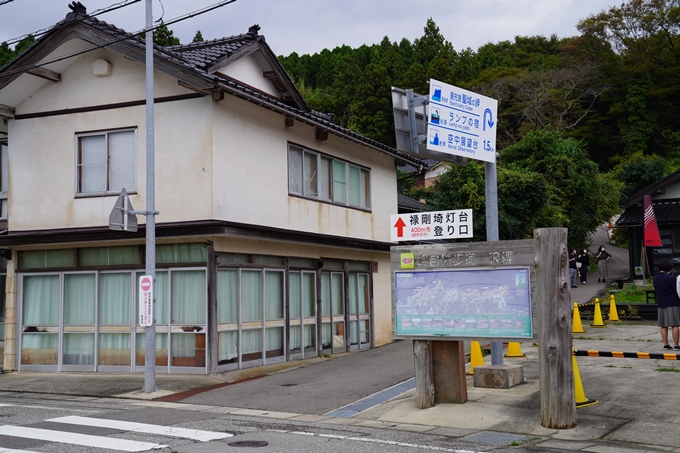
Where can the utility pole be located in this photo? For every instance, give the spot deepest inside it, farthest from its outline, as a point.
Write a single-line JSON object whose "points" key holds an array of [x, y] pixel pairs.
{"points": [[150, 331]]}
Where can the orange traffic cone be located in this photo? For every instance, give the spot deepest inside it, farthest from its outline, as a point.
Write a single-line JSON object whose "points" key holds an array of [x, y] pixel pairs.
{"points": [[476, 358], [613, 312], [576, 326], [514, 350], [579, 394], [597, 319]]}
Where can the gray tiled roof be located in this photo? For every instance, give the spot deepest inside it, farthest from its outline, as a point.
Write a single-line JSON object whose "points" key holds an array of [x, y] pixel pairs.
{"points": [[408, 204], [666, 212], [204, 54]]}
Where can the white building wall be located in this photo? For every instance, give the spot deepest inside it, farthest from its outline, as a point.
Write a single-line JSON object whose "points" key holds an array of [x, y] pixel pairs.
{"points": [[251, 176], [248, 71], [43, 150]]}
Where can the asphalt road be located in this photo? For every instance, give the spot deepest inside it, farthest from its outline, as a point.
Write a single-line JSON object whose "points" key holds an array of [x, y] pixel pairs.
{"points": [[321, 388]]}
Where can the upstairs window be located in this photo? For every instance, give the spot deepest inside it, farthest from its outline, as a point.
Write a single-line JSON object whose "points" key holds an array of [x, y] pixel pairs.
{"points": [[319, 177], [106, 162]]}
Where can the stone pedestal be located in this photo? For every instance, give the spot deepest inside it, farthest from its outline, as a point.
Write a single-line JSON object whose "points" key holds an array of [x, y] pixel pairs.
{"points": [[498, 376]]}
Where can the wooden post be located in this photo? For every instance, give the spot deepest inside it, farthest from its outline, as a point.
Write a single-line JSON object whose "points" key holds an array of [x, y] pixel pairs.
{"points": [[553, 293], [422, 353], [448, 372]]}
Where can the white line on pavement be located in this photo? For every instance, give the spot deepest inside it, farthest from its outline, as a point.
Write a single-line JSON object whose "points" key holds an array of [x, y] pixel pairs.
{"points": [[110, 443], [373, 440], [194, 434], [6, 450], [61, 408]]}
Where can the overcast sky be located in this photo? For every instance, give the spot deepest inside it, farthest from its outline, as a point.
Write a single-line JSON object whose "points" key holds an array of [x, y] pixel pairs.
{"points": [[309, 26]]}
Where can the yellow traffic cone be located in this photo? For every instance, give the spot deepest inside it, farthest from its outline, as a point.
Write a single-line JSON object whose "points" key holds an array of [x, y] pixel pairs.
{"points": [[476, 358], [597, 319], [613, 312], [579, 394], [514, 350], [576, 326]]}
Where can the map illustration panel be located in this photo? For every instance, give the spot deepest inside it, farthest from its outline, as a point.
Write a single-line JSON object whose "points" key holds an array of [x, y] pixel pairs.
{"points": [[464, 303]]}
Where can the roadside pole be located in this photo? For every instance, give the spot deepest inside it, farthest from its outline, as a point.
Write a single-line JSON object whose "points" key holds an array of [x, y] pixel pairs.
{"points": [[491, 183], [150, 331]]}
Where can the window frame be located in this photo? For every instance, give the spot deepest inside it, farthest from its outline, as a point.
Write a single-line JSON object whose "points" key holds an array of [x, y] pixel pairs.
{"points": [[78, 171], [319, 193]]}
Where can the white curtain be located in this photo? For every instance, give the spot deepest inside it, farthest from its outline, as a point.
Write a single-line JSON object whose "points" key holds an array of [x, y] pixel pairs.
{"points": [[352, 294], [41, 300], [354, 186], [251, 296], [185, 345], [227, 296], [337, 294], [294, 295], [188, 297], [78, 349], [228, 345], [252, 341], [274, 294], [326, 335], [309, 294], [325, 294], [114, 298], [80, 297], [339, 182], [363, 293], [275, 339], [122, 155], [310, 336], [295, 338]]}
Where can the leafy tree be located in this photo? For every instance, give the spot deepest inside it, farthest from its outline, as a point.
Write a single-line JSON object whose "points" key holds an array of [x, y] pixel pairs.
{"points": [[638, 172], [164, 37], [579, 197], [6, 52], [429, 46], [198, 37]]}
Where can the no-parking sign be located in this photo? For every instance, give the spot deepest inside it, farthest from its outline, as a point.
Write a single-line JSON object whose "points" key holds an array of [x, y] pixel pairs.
{"points": [[146, 300]]}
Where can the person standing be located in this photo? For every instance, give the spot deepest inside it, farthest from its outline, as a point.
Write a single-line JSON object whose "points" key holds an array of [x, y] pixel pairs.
{"points": [[572, 267], [601, 260], [667, 287], [584, 259]]}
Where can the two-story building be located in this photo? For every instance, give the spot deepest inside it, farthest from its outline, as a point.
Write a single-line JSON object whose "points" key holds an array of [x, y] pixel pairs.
{"points": [[273, 227]]}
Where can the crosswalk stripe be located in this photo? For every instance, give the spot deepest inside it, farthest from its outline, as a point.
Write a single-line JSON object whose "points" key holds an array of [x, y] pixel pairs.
{"points": [[7, 450], [110, 443], [194, 434]]}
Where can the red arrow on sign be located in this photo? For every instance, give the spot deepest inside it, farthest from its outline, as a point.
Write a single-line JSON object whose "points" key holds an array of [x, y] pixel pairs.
{"points": [[400, 227]]}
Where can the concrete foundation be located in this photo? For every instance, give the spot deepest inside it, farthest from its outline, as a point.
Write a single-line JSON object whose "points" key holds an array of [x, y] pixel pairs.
{"points": [[498, 376]]}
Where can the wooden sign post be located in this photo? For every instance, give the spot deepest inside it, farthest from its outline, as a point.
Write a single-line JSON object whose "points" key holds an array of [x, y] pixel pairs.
{"points": [[553, 294]]}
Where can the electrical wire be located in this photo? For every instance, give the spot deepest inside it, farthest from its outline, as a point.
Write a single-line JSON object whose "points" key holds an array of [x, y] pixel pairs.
{"points": [[95, 13], [5, 1], [190, 15]]}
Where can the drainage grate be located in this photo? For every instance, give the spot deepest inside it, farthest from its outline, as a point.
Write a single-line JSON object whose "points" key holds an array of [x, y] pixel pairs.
{"points": [[249, 443], [489, 437]]}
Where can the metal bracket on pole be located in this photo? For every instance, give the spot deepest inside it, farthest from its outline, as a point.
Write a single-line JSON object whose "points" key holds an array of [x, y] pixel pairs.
{"points": [[413, 101]]}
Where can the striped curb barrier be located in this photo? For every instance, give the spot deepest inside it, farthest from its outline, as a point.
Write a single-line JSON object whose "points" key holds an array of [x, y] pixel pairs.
{"points": [[627, 355]]}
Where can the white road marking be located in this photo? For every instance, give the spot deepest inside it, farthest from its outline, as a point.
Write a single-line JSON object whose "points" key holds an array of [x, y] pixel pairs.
{"points": [[61, 408], [377, 441], [110, 443], [193, 434], [5, 450]]}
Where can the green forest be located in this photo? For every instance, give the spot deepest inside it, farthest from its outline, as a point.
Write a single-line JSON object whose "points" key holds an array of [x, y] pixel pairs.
{"points": [[584, 122]]}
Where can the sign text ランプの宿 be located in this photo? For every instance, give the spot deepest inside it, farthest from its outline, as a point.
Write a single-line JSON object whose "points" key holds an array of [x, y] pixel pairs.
{"points": [[461, 122], [455, 224]]}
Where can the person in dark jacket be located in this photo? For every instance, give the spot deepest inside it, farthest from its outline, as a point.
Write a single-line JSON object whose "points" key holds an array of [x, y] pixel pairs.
{"points": [[601, 259], [572, 267], [584, 259], [666, 287]]}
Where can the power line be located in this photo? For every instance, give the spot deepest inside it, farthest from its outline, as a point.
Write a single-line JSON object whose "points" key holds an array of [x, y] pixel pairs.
{"points": [[5, 1], [122, 38], [95, 13]]}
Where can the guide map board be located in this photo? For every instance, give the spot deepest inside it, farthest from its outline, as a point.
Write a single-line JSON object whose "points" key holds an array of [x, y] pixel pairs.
{"points": [[463, 291], [464, 303]]}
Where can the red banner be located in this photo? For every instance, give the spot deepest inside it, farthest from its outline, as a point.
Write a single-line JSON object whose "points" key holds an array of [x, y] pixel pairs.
{"points": [[652, 238]]}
